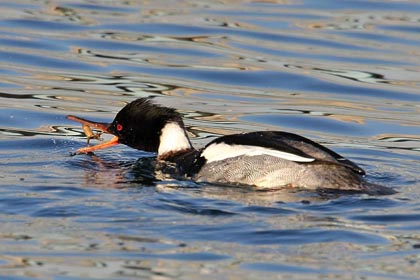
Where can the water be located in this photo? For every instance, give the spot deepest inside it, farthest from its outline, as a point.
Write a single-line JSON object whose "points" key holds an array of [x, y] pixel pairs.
{"points": [[344, 73]]}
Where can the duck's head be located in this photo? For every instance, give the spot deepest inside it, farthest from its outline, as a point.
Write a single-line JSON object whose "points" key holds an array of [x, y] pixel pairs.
{"points": [[143, 125]]}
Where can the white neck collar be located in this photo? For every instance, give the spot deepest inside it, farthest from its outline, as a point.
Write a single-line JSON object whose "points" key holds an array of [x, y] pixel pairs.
{"points": [[173, 138]]}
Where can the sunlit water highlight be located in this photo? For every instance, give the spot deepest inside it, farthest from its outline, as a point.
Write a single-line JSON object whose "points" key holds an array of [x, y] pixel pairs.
{"points": [[344, 73]]}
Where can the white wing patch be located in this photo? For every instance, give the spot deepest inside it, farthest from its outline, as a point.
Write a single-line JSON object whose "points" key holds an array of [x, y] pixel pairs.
{"points": [[221, 151]]}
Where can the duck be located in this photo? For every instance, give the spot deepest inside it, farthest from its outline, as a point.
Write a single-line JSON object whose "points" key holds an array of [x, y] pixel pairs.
{"points": [[265, 160]]}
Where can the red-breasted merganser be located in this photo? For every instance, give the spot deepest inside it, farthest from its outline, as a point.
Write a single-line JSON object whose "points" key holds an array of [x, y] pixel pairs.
{"points": [[264, 159]]}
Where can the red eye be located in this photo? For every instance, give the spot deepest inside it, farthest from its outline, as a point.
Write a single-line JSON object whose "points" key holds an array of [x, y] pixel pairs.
{"points": [[119, 127]]}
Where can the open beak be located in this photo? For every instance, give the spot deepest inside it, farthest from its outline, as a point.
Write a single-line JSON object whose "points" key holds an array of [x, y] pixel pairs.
{"points": [[101, 126], [110, 143]]}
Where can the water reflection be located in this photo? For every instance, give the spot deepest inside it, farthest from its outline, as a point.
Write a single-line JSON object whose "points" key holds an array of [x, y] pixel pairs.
{"points": [[46, 131], [344, 73], [405, 142]]}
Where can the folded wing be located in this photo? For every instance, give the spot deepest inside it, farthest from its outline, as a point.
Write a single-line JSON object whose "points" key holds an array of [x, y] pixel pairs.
{"points": [[280, 144]]}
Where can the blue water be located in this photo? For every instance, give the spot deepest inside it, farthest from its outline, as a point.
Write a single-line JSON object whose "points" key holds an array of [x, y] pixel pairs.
{"points": [[344, 73]]}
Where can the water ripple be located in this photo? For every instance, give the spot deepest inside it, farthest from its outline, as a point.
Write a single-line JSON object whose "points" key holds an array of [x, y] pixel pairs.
{"points": [[344, 73]]}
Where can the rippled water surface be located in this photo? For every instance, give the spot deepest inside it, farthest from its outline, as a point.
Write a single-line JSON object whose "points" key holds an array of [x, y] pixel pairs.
{"points": [[344, 73]]}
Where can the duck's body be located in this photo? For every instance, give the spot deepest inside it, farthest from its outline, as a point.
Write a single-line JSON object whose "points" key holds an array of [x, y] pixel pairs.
{"points": [[264, 159]]}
